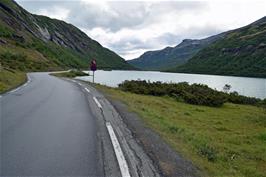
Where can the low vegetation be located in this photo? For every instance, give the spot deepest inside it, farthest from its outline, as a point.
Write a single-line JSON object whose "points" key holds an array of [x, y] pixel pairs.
{"points": [[9, 79], [197, 94], [71, 74], [226, 141]]}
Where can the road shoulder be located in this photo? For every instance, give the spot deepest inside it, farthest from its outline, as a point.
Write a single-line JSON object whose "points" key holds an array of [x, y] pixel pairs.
{"points": [[168, 162]]}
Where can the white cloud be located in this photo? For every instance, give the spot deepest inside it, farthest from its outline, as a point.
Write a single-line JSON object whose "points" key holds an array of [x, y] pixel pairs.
{"points": [[55, 12], [131, 28]]}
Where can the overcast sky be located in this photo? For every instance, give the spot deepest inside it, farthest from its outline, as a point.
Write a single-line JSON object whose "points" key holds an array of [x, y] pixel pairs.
{"points": [[132, 27]]}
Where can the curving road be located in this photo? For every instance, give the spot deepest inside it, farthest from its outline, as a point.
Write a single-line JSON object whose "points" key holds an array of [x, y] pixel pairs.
{"points": [[62, 127], [47, 129]]}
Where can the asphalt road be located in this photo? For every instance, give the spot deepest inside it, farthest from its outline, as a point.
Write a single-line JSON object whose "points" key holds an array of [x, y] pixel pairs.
{"points": [[48, 130], [63, 127]]}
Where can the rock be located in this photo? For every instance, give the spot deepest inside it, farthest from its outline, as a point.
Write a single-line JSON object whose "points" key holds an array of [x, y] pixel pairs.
{"points": [[261, 46], [18, 38], [2, 41]]}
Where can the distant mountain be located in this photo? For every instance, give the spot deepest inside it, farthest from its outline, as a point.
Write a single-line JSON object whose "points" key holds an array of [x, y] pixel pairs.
{"points": [[31, 42], [170, 57], [242, 52]]}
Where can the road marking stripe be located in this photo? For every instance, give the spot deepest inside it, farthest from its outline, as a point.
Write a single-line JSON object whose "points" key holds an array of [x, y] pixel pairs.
{"points": [[12, 91], [97, 102], [80, 84], [87, 90], [118, 151]]}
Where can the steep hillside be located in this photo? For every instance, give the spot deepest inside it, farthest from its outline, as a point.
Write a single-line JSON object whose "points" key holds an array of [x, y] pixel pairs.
{"points": [[172, 56], [31, 42], [242, 52]]}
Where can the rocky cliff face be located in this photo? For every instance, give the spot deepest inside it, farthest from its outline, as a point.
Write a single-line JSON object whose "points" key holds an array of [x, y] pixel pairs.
{"points": [[170, 57], [22, 29]]}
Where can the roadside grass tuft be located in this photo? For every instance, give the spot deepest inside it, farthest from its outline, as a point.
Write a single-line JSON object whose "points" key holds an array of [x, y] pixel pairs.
{"points": [[207, 151], [262, 137]]}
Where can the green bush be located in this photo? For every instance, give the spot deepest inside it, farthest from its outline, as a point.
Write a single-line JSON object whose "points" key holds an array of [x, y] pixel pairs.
{"points": [[193, 94], [197, 94], [234, 97]]}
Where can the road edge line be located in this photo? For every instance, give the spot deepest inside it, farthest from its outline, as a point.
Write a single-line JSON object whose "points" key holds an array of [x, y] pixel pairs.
{"points": [[18, 87], [87, 90], [118, 151], [97, 102]]}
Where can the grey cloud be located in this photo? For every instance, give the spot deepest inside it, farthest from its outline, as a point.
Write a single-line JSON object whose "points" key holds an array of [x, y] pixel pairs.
{"points": [[124, 46], [122, 14], [127, 45], [133, 15], [202, 32]]}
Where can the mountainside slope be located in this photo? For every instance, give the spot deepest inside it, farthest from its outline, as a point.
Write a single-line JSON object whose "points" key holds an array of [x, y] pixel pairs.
{"points": [[172, 56], [242, 52], [32, 43]]}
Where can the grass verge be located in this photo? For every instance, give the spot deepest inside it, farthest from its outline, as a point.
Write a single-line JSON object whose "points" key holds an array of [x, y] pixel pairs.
{"points": [[225, 141], [70, 74], [10, 79]]}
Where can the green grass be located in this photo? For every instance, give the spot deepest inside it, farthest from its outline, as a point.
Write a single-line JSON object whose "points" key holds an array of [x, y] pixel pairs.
{"points": [[10, 79], [70, 74], [225, 141]]}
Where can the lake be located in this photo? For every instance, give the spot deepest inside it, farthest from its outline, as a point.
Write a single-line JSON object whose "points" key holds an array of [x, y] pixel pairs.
{"points": [[254, 87]]}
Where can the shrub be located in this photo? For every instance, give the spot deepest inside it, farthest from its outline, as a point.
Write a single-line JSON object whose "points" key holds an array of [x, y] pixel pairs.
{"points": [[194, 94], [198, 94], [234, 97]]}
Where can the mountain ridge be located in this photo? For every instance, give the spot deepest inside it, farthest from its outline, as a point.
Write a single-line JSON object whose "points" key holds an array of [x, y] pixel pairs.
{"points": [[242, 52], [61, 44], [172, 56]]}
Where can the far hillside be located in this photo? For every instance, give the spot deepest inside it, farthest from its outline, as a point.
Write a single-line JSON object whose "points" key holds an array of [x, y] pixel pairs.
{"points": [[242, 52], [172, 56], [239, 52]]}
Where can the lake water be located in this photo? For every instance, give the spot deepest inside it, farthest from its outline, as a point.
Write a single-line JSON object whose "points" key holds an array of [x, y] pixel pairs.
{"points": [[254, 87]]}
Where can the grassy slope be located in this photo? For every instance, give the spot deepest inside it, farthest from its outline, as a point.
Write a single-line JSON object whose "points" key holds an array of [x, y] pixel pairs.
{"points": [[10, 79], [227, 141], [240, 53]]}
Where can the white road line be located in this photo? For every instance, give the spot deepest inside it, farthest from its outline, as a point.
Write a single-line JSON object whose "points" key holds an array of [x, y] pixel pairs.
{"points": [[12, 91], [97, 102], [74, 81], [80, 84], [118, 151], [87, 90]]}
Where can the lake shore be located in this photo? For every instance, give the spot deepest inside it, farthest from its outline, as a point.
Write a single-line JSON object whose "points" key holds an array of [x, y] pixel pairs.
{"points": [[252, 87]]}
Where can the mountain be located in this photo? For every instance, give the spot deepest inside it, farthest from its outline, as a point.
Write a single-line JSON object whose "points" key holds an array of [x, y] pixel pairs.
{"points": [[31, 42], [242, 52], [172, 56]]}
